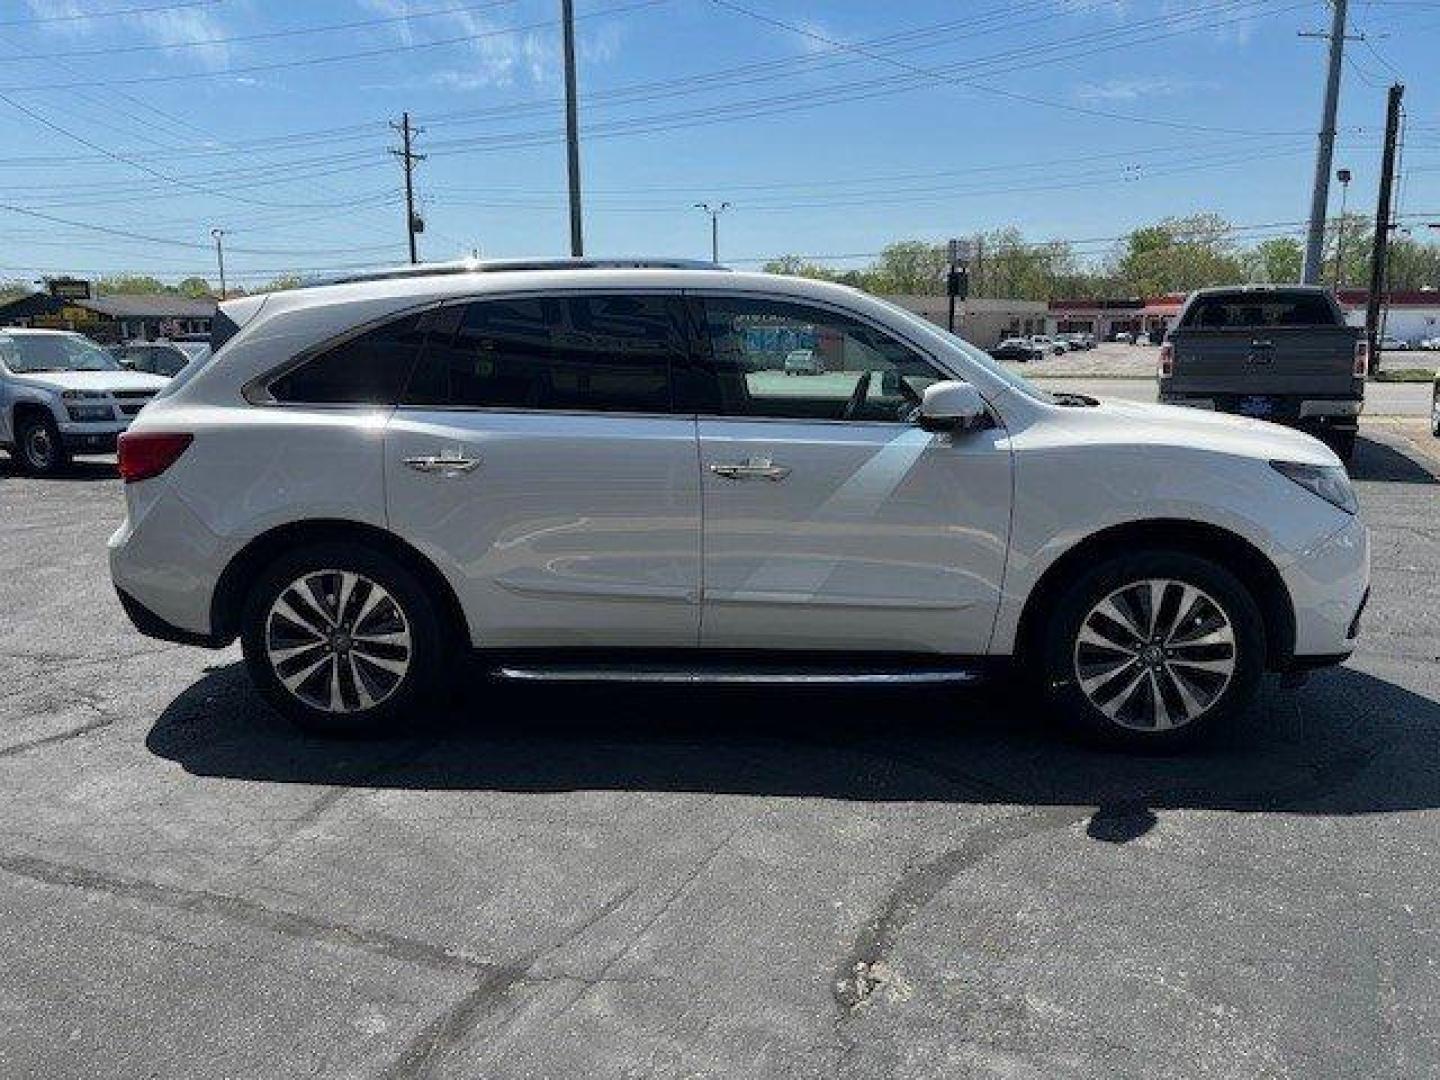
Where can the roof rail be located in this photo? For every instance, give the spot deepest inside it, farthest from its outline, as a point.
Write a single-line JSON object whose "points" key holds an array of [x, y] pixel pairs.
{"points": [[492, 266]]}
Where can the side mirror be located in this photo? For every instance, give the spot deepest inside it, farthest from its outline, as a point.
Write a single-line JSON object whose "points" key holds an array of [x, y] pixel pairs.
{"points": [[952, 406]]}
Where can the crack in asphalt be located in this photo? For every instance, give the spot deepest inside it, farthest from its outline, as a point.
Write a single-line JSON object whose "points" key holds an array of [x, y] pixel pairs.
{"points": [[856, 976]]}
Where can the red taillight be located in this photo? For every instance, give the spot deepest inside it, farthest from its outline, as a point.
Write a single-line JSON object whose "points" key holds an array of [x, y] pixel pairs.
{"points": [[1167, 360], [1362, 358], [144, 454]]}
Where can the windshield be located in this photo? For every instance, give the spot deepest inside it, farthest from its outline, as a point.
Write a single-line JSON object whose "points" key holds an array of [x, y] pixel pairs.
{"points": [[26, 354], [153, 359], [976, 356]]}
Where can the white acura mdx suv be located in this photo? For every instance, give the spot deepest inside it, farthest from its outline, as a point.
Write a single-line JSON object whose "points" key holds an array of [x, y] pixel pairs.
{"points": [[593, 470]]}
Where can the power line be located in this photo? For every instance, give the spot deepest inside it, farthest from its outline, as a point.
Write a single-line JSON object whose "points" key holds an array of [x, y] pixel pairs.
{"points": [[933, 73], [113, 12], [361, 54]]}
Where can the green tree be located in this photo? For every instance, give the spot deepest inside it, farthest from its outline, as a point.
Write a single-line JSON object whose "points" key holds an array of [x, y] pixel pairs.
{"points": [[798, 266], [122, 284], [194, 287], [908, 267], [1277, 261], [281, 283], [1179, 254]]}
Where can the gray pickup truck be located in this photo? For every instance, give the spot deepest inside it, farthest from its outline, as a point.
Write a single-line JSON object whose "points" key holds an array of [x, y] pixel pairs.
{"points": [[1276, 352]]}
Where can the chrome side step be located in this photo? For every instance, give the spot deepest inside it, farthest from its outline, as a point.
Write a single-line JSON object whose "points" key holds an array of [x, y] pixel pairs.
{"points": [[702, 676]]}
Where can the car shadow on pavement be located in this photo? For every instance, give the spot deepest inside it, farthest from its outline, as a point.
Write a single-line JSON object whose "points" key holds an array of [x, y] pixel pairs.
{"points": [[80, 469], [1375, 460], [1347, 743]]}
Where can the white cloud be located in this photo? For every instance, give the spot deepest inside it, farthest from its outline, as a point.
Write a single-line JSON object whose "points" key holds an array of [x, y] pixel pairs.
{"points": [[189, 27], [1133, 89]]}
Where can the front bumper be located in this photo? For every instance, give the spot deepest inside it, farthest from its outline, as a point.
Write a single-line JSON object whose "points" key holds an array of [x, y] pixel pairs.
{"points": [[1329, 584]]}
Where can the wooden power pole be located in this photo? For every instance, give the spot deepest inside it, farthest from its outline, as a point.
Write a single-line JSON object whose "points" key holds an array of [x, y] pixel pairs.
{"points": [[1379, 255]]}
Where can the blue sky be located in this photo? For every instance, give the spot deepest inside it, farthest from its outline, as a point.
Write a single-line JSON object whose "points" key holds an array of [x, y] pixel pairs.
{"points": [[832, 127]]}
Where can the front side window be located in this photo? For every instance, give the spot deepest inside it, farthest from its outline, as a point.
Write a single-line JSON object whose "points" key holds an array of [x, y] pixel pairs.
{"points": [[775, 358], [600, 353], [369, 369]]}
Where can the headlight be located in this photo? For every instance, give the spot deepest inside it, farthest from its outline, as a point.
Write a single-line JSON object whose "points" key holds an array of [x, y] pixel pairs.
{"points": [[84, 395], [1330, 482]]}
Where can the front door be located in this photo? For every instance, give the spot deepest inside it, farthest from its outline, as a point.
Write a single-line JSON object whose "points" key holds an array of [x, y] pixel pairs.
{"points": [[535, 456], [830, 520]]}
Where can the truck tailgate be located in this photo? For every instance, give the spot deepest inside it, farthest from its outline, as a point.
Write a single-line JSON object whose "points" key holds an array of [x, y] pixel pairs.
{"points": [[1278, 360]]}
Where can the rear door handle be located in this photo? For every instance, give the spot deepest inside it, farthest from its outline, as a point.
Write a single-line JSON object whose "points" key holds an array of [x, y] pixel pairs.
{"points": [[444, 464], [753, 469]]}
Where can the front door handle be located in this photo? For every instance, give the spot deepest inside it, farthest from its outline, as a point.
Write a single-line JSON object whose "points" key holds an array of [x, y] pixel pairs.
{"points": [[753, 469], [443, 464]]}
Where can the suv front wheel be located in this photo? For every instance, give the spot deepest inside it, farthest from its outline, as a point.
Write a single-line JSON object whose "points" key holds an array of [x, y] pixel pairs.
{"points": [[1153, 649], [342, 639]]}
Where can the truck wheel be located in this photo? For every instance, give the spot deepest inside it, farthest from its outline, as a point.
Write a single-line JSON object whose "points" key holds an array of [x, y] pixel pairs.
{"points": [[1153, 649], [344, 640], [37, 445], [1343, 443]]}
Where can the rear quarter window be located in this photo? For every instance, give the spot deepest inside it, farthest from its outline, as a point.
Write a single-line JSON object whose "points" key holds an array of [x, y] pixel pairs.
{"points": [[368, 369]]}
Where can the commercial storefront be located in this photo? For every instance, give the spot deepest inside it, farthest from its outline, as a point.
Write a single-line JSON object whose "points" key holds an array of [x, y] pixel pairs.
{"points": [[68, 305]]}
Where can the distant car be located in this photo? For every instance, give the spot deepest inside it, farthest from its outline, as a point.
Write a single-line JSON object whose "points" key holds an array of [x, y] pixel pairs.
{"points": [[1123, 337], [151, 357], [1047, 344], [1017, 350], [1394, 344], [802, 362], [1079, 341]]}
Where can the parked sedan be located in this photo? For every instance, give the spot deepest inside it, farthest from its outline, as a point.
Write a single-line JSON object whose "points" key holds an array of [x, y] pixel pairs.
{"points": [[1394, 344], [802, 362], [151, 357], [1047, 344], [1018, 350]]}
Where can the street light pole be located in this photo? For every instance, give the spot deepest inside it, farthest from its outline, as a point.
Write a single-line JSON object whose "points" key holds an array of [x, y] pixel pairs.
{"points": [[1344, 177], [714, 211], [218, 234]]}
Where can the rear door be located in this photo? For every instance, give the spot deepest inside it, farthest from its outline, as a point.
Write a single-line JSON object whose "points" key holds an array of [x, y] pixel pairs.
{"points": [[535, 455], [831, 521]]}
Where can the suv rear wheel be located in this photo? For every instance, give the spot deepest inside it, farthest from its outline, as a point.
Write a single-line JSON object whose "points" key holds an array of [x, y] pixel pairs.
{"points": [[1153, 649], [342, 639]]}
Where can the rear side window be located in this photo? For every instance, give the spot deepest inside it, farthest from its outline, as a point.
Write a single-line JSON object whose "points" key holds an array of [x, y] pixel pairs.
{"points": [[1243, 311], [370, 369], [601, 353]]}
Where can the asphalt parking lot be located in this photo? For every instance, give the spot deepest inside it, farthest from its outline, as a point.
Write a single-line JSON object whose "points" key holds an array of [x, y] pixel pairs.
{"points": [[698, 884]]}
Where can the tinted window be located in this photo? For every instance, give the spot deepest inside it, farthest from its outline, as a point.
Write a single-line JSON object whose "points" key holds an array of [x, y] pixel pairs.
{"points": [[591, 353], [778, 359], [367, 370], [1226, 311]]}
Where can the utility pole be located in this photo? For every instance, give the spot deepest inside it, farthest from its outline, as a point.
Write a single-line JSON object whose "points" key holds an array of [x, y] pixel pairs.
{"points": [[414, 224], [1379, 255], [572, 130], [957, 279], [714, 211], [1343, 176], [1325, 153], [218, 234]]}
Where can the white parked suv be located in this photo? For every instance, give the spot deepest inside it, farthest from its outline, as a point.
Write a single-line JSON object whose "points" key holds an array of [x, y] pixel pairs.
{"points": [[585, 471], [61, 394]]}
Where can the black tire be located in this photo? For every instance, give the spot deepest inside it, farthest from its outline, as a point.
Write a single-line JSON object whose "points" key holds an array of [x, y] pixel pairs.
{"points": [[410, 703], [1343, 443], [38, 449], [1061, 654]]}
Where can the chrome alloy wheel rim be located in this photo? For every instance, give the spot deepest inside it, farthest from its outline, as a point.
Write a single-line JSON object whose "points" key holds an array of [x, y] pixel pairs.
{"points": [[338, 641], [1155, 655]]}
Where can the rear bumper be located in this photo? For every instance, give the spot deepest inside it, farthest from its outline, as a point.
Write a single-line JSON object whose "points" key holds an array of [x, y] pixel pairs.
{"points": [[152, 625], [1316, 412]]}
